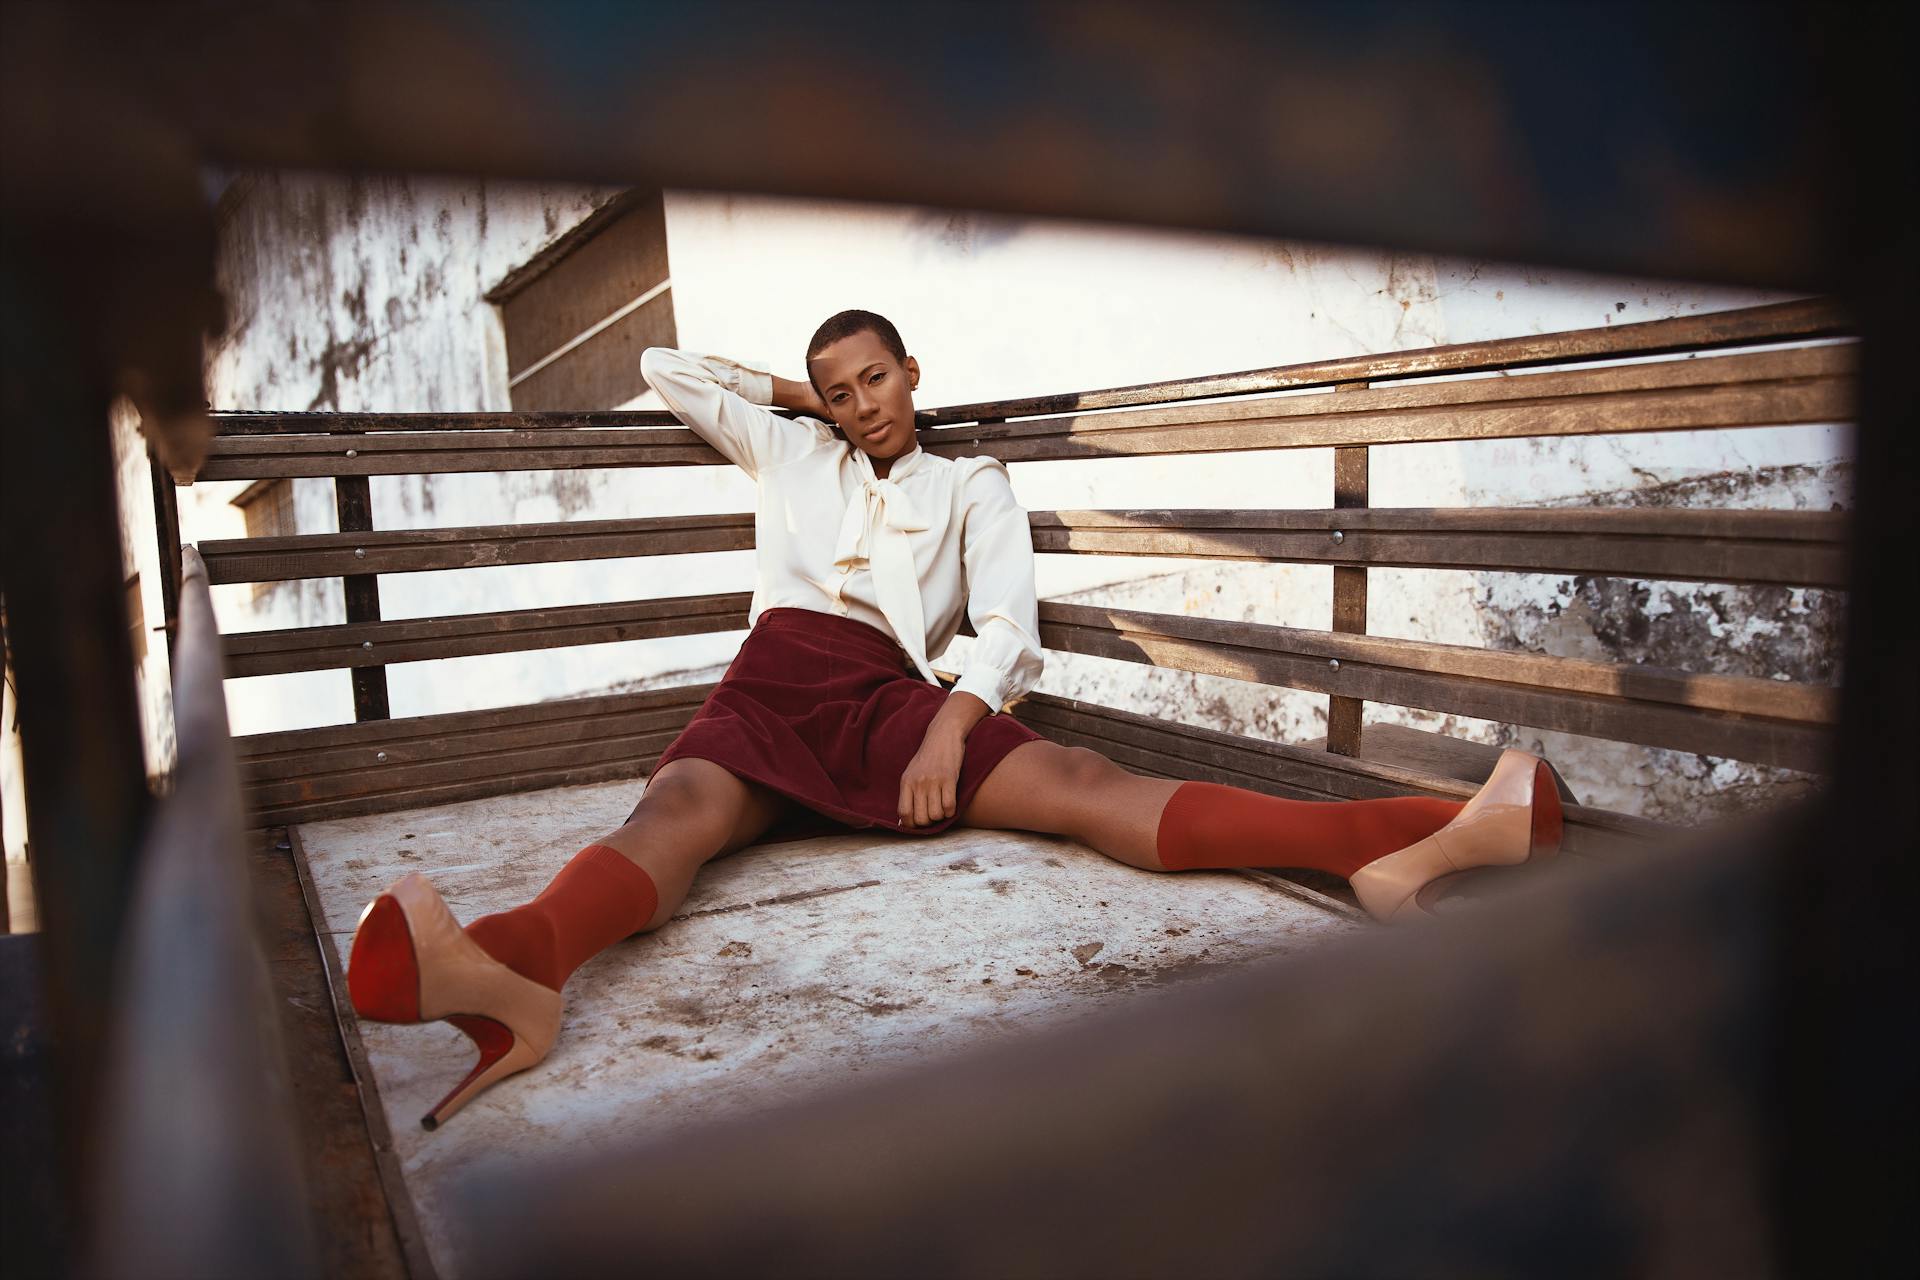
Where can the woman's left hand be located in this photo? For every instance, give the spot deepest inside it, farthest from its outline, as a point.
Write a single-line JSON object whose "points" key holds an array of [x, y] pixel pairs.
{"points": [[931, 779]]}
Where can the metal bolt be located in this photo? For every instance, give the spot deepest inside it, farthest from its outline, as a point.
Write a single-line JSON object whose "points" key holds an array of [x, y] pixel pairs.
{"points": [[380, 755], [1334, 663], [360, 553], [367, 645], [1339, 536], [353, 453]]}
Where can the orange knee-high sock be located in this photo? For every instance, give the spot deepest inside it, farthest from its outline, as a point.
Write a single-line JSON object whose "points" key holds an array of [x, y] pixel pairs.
{"points": [[597, 899], [1207, 824]]}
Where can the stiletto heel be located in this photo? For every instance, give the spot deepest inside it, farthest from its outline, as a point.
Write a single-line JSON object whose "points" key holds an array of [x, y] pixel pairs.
{"points": [[412, 962], [1515, 817]]}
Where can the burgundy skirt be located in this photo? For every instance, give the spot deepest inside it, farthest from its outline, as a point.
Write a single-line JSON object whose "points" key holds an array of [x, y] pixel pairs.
{"points": [[828, 711]]}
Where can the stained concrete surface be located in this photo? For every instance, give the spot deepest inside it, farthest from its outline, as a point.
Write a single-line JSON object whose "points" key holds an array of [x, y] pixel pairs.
{"points": [[789, 967]]}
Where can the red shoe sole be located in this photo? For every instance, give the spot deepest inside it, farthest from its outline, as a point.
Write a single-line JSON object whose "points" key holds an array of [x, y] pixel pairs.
{"points": [[1548, 822], [383, 977]]}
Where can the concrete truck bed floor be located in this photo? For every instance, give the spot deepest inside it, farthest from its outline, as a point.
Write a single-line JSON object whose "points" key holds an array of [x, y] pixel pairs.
{"points": [[789, 967]]}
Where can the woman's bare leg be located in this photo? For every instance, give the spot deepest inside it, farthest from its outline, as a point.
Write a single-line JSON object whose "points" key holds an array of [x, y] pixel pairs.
{"points": [[1074, 792], [692, 812], [1161, 824]]}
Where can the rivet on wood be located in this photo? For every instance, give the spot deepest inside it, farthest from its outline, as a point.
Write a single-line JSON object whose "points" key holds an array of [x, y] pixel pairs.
{"points": [[380, 755], [1334, 663], [1338, 536], [366, 644], [353, 453], [360, 553]]}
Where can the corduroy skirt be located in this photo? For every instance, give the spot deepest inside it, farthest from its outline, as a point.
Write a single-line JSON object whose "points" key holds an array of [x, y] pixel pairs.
{"points": [[828, 711]]}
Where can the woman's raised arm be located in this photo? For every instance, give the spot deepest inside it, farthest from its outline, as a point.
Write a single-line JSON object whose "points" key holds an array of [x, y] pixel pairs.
{"points": [[724, 403]]}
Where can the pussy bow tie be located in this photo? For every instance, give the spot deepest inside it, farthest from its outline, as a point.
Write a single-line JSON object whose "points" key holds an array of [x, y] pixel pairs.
{"points": [[879, 518]]}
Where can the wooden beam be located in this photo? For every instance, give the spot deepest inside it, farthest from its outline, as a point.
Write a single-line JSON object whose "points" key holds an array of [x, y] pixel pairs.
{"points": [[354, 505], [1800, 320], [1766, 721], [1797, 548], [1807, 385], [1769, 388], [258, 653], [326, 555], [305, 775], [1349, 587], [1789, 548]]}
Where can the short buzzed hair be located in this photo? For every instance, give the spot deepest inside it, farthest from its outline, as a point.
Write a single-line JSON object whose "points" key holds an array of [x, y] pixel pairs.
{"points": [[847, 323]]}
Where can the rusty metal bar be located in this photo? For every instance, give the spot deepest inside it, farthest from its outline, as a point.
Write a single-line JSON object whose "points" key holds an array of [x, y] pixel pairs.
{"points": [[199, 1172]]}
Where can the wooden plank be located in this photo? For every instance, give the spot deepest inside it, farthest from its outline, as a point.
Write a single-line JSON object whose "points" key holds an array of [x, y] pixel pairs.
{"points": [[257, 653], [1801, 548], [1766, 721], [1774, 322], [1144, 744], [326, 555], [479, 745], [356, 1235], [449, 450], [1799, 320], [354, 506], [1771, 388], [1793, 548], [635, 766], [393, 775], [448, 724], [305, 775], [1344, 715]]}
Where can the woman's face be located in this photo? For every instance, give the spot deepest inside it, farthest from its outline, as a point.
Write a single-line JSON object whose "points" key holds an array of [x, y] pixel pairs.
{"points": [[868, 394]]}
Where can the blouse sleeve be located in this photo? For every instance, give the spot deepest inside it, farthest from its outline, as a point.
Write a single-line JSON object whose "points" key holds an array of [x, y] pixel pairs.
{"points": [[1002, 603], [722, 401]]}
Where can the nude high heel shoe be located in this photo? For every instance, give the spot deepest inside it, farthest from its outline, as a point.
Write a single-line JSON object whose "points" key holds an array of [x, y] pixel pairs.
{"points": [[412, 962], [1513, 818]]}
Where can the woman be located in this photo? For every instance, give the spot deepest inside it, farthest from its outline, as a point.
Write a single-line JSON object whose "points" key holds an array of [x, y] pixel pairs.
{"points": [[868, 550]]}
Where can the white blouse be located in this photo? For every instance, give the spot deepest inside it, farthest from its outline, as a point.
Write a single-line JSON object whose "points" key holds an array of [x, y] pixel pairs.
{"points": [[906, 554]]}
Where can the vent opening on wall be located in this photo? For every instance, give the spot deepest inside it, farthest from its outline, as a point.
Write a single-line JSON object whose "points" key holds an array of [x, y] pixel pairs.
{"points": [[580, 313]]}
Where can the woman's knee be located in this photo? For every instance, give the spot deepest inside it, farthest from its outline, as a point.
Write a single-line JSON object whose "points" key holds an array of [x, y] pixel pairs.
{"points": [[1084, 773], [685, 807]]}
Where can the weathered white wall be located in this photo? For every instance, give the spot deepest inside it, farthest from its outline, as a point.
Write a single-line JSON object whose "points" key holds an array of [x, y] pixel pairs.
{"points": [[367, 295]]}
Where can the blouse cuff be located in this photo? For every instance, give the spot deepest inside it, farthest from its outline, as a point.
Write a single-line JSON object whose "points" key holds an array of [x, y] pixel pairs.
{"points": [[984, 683], [756, 385]]}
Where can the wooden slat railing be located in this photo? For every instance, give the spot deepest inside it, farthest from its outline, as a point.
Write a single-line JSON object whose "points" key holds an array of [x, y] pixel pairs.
{"points": [[1382, 400], [1784, 322], [383, 766], [1767, 388]]}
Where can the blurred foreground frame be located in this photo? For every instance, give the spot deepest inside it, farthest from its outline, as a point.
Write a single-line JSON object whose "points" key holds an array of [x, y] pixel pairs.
{"points": [[1694, 1064]]}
